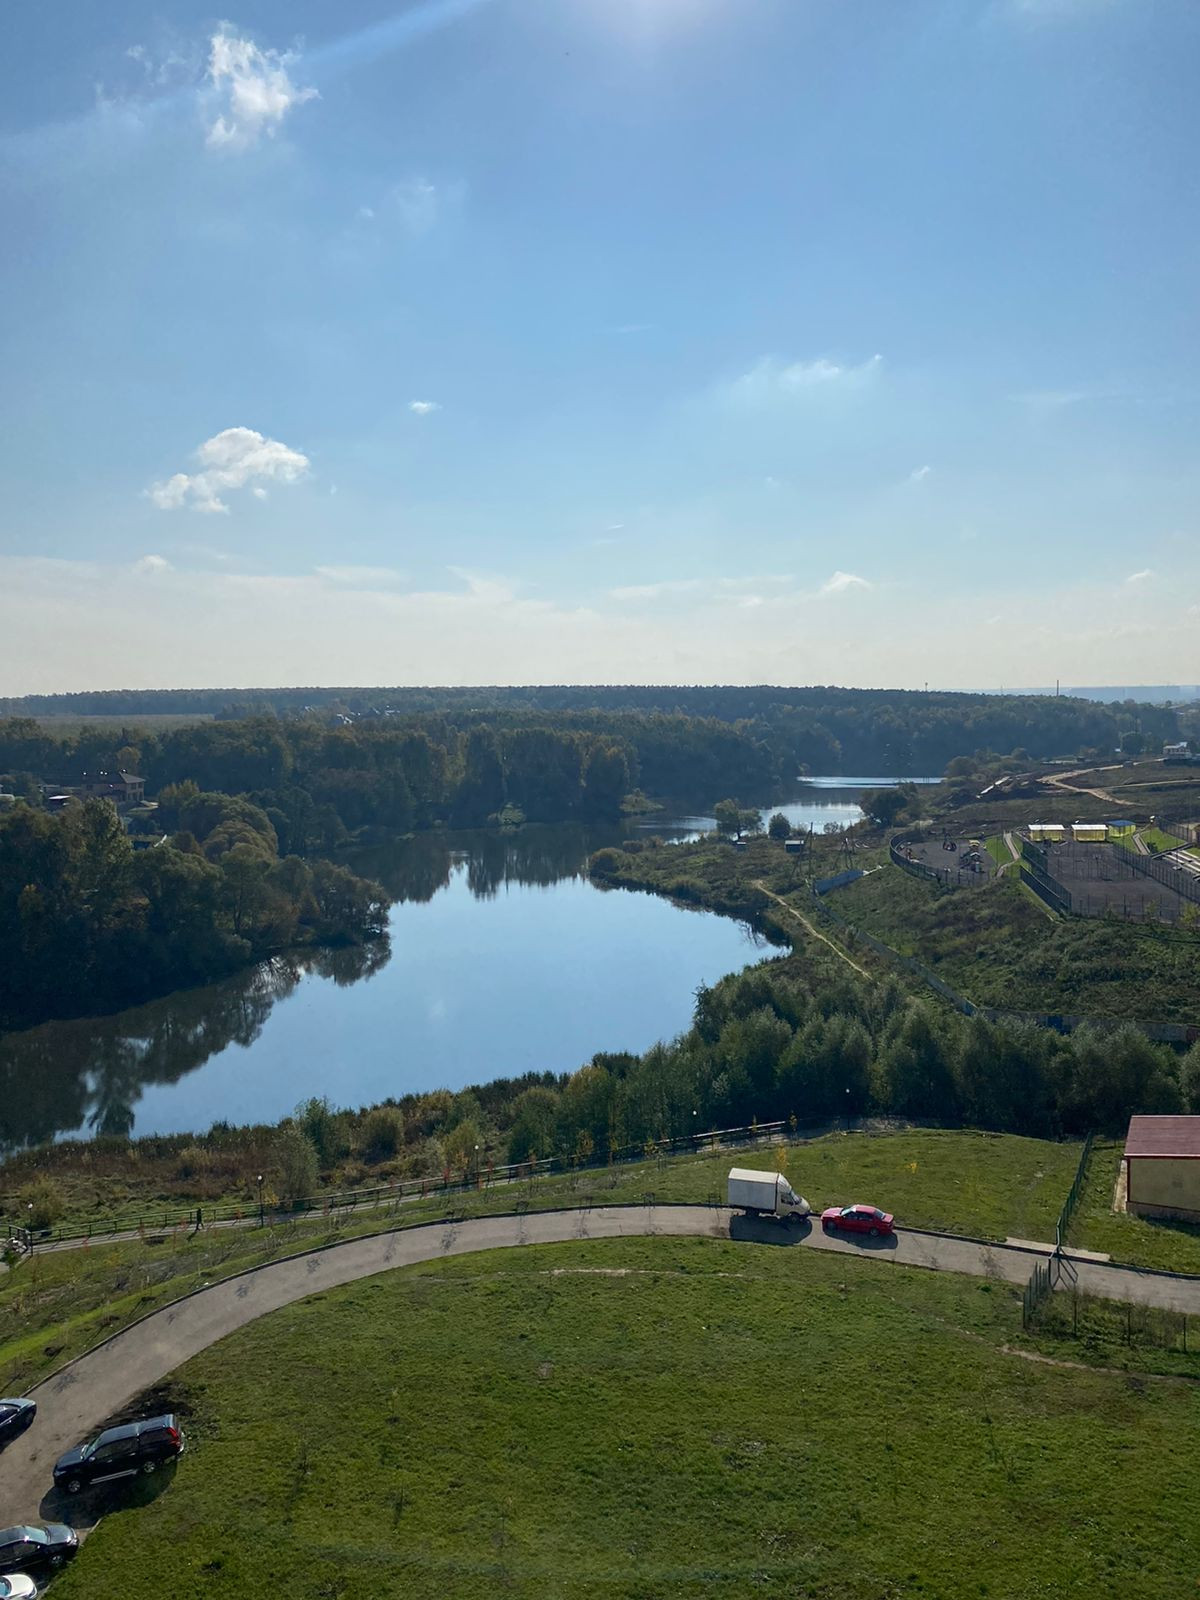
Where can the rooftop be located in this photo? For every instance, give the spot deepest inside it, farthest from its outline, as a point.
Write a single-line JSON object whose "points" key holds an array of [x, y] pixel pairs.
{"points": [[1163, 1136]]}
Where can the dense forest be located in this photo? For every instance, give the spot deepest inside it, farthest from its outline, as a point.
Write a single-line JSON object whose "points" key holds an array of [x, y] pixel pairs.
{"points": [[89, 923], [319, 781], [411, 759]]}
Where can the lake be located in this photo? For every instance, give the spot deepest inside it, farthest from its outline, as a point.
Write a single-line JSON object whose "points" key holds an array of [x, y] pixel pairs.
{"points": [[502, 958]]}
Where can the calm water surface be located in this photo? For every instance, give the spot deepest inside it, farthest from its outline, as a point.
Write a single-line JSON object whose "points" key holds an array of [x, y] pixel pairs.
{"points": [[503, 958]]}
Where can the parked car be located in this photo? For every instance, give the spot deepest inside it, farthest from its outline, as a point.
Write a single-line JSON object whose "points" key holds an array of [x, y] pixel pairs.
{"points": [[858, 1219], [15, 1417], [20, 1586], [37, 1547], [120, 1453]]}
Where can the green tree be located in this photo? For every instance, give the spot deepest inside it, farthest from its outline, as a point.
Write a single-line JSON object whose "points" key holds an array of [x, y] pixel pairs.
{"points": [[884, 806], [535, 1118], [779, 827], [1189, 1079], [915, 1076], [295, 1160], [729, 817]]}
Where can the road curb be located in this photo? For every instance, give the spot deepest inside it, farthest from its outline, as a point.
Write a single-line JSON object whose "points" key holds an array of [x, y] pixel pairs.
{"points": [[1032, 1251], [319, 1249]]}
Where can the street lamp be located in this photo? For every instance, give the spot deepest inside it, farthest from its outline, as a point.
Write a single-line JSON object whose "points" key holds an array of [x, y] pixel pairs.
{"points": [[477, 1166], [261, 1214]]}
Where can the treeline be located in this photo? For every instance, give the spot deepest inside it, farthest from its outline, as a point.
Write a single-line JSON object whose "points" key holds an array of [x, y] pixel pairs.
{"points": [[864, 732], [88, 923], [788, 1038], [319, 782]]}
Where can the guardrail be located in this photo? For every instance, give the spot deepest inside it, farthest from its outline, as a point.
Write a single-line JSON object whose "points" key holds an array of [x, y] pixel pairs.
{"points": [[167, 1219]]}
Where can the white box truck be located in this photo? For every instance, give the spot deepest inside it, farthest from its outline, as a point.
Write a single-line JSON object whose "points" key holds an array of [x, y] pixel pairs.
{"points": [[766, 1194]]}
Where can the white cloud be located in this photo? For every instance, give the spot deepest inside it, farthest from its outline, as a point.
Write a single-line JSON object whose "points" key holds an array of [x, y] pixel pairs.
{"points": [[148, 565], [919, 474], [843, 581], [255, 88], [360, 577], [259, 492], [423, 407], [232, 459], [772, 379], [1140, 577], [704, 588]]}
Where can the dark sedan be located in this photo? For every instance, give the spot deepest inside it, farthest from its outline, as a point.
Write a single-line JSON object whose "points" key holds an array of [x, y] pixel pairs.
{"points": [[15, 1417], [859, 1219], [37, 1547]]}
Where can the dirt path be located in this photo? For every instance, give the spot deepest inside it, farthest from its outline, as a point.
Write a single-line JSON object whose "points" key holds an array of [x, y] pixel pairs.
{"points": [[84, 1394], [816, 933], [1060, 780]]}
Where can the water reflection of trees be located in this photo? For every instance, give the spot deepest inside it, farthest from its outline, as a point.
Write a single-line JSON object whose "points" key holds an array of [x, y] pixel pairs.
{"points": [[415, 869], [89, 1074]]}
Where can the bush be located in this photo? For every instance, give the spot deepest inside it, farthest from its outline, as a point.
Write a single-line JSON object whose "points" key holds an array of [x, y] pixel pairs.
{"points": [[296, 1160], [40, 1204], [193, 1161], [382, 1133], [325, 1127]]}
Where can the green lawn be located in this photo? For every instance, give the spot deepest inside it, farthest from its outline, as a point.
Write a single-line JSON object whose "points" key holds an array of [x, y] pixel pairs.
{"points": [[998, 850], [652, 1419], [1169, 1246], [991, 1185], [1158, 840]]}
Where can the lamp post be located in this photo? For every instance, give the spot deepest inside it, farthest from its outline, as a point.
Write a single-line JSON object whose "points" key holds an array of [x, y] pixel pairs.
{"points": [[29, 1229], [262, 1219], [477, 1166]]}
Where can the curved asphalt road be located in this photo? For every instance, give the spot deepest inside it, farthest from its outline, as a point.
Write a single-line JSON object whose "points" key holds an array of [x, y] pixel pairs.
{"points": [[79, 1399]]}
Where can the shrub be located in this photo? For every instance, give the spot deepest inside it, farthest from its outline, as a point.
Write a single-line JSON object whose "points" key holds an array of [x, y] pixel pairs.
{"points": [[325, 1127], [296, 1161], [40, 1204], [193, 1161], [382, 1133]]}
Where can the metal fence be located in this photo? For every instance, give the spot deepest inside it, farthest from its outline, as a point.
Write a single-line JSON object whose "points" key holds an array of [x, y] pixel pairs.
{"points": [[1035, 1292], [947, 877], [1182, 883], [149, 1220], [1072, 1200]]}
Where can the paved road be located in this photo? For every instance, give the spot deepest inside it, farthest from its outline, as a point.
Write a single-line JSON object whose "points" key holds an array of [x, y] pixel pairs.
{"points": [[81, 1397]]}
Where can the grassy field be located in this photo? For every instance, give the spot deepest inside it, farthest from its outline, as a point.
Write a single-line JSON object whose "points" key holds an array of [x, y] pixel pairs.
{"points": [[998, 850], [658, 1418], [1168, 1246], [988, 1185], [997, 947], [1158, 840]]}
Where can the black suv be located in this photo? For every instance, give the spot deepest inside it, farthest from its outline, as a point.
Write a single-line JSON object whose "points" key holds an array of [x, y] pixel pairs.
{"points": [[37, 1547], [120, 1453]]}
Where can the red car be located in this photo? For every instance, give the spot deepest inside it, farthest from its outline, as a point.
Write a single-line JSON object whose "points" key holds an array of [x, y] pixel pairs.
{"points": [[858, 1219]]}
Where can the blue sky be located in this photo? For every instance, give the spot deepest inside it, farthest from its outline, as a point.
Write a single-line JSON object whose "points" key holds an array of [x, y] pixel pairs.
{"points": [[600, 340]]}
